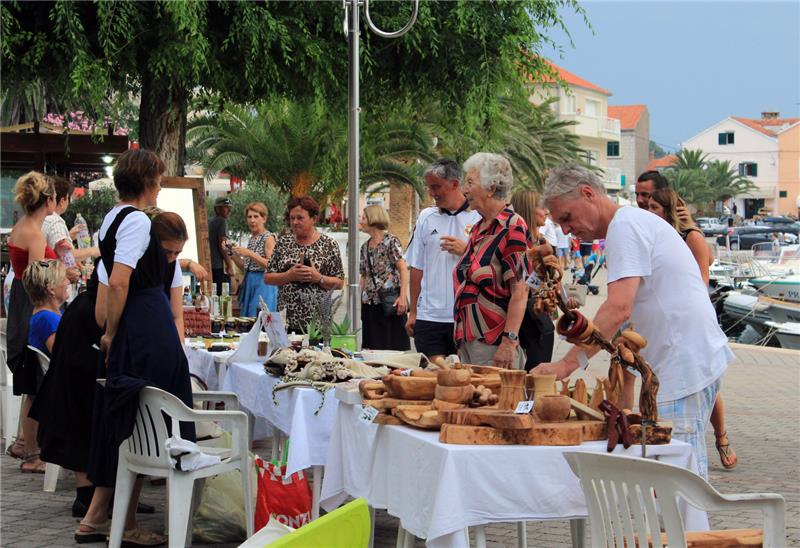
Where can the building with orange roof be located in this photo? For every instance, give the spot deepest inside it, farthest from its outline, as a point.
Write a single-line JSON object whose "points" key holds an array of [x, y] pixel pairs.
{"points": [[657, 164], [585, 104], [766, 150], [631, 153]]}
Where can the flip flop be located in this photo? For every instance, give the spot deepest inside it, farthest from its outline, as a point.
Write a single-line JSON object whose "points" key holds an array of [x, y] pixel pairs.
{"points": [[726, 453], [142, 537], [33, 465], [17, 450], [99, 532]]}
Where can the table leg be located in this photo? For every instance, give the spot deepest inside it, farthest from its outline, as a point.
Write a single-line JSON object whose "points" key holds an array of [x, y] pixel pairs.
{"points": [[577, 530], [317, 479], [401, 537], [522, 534], [276, 444], [371, 526], [408, 542], [480, 536]]}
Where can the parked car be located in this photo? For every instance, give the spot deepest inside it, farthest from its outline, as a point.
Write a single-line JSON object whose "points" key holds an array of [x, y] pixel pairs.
{"points": [[745, 237]]}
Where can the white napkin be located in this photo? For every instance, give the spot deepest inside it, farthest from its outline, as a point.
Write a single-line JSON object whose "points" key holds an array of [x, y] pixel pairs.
{"points": [[186, 455]]}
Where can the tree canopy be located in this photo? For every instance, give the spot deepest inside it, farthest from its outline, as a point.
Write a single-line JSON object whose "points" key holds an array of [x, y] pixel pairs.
{"points": [[463, 55]]}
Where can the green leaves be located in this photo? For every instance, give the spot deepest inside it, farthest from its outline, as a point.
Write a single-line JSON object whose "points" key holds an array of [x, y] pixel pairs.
{"points": [[702, 182]]}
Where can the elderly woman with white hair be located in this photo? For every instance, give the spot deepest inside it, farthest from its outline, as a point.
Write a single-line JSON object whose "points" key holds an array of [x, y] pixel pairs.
{"points": [[490, 287]]}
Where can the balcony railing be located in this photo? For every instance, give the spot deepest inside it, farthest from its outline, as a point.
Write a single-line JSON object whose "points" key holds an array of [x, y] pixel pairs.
{"points": [[612, 178], [596, 127]]}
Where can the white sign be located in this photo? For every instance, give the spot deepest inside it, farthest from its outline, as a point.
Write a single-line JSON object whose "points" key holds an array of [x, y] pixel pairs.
{"points": [[368, 414], [524, 407]]}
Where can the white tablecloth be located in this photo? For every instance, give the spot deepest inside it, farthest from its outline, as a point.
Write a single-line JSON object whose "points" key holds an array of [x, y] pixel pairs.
{"points": [[294, 415], [439, 489], [208, 366]]}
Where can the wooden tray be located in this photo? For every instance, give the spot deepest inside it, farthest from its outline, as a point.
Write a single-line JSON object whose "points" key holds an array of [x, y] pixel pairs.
{"points": [[385, 404], [488, 416], [410, 388], [413, 415], [571, 432], [385, 418]]}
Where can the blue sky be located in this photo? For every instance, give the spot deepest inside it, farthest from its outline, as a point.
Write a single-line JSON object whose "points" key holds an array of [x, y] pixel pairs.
{"points": [[691, 63]]}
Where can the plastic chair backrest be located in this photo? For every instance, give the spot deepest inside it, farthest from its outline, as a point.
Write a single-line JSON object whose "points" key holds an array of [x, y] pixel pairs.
{"points": [[621, 495], [345, 527], [44, 360], [145, 446]]}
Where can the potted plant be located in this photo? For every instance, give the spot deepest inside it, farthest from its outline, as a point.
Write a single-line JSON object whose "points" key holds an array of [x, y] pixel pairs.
{"points": [[314, 333], [342, 337]]}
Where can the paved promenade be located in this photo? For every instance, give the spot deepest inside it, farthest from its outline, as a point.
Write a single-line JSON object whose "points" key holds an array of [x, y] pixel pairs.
{"points": [[762, 396]]}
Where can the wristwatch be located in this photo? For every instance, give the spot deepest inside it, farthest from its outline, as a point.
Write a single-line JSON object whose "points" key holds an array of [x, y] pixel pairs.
{"points": [[511, 336]]}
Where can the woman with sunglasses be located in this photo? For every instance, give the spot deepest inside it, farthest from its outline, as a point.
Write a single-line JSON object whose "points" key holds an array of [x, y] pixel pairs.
{"points": [[26, 244]]}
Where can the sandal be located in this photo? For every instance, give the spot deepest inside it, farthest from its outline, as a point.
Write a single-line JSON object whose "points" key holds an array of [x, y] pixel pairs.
{"points": [[33, 465], [17, 450], [726, 453], [142, 537], [99, 531]]}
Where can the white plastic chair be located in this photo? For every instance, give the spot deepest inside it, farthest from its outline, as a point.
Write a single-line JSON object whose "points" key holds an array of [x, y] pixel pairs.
{"points": [[51, 471], [145, 453], [621, 496]]}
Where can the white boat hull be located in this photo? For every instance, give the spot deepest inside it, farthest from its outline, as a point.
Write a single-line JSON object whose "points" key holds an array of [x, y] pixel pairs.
{"points": [[782, 311], [747, 309], [788, 334]]}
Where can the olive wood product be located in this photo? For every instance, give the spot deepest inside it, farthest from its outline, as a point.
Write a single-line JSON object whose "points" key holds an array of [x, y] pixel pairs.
{"points": [[542, 433], [598, 395], [372, 390], [503, 420], [384, 404], [485, 369], [453, 377], [415, 372], [542, 384], [421, 416], [565, 387], [512, 388], [552, 408], [492, 382], [455, 394], [410, 388], [584, 412], [660, 434], [579, 392], [442, 405], [385, 418]]}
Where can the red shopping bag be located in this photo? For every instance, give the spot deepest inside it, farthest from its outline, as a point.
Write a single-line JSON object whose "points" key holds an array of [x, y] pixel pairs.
{"points": [[287, 498]]}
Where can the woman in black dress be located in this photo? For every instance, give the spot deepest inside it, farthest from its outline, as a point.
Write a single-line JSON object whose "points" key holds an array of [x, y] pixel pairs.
{"points": [[140, 340]]}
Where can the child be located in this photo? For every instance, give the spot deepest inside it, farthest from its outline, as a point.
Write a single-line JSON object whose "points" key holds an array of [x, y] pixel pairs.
{"points": [[47, 286]]}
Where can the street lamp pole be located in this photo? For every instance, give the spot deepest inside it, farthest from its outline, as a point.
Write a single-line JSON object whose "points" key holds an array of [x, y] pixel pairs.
{"points": [[353, 33]]}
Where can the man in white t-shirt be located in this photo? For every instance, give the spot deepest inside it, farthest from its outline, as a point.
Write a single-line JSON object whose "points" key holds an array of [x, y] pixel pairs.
{"points": [[438, 241], [548, 231], [653, 282]]}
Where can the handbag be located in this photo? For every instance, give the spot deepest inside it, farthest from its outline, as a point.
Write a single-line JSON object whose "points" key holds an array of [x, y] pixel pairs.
{"points": [[387, 296]]}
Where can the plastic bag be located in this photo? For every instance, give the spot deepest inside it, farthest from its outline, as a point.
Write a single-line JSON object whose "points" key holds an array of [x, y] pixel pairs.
{"points": [[287, 498], [220, 518]]}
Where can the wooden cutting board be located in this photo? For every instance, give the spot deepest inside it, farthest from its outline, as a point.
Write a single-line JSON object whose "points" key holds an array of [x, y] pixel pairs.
{"points": [[410, 388], [497, 418], [385, 404], [421, 416], [541, 433], [385, 418]]}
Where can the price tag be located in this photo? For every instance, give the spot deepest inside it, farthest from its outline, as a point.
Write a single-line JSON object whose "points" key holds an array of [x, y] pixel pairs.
{"points": [[533, 281], [405, 372], [368, 414], [524, 407]]}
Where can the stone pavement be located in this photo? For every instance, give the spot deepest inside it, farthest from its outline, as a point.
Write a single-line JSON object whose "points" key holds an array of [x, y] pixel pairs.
{"points": [[761, 391]]}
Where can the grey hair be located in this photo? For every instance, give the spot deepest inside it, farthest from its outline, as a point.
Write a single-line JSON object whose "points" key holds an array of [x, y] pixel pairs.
{"points": [[494, 172], [567, 178], [444, 168]]}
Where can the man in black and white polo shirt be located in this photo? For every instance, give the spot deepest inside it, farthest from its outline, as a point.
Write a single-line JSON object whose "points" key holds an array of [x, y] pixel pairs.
{"points": [[439, 239]]}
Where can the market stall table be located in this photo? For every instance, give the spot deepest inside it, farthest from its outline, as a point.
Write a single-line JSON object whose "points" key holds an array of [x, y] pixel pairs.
{"points": [[438, 490], [208, 366], [295, 415]]}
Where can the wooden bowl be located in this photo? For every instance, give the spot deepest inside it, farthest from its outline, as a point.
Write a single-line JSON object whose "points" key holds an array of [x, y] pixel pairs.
{"points": [[552, 408], [453, 377]]}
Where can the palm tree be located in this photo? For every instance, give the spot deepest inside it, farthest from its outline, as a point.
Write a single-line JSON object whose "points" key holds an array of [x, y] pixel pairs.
{"points": [[690, 159], [302, 147], [284, 143], [690, 184], [725, 182]]}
